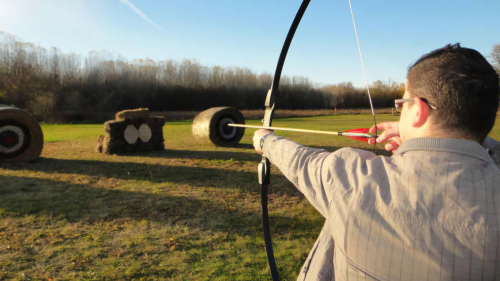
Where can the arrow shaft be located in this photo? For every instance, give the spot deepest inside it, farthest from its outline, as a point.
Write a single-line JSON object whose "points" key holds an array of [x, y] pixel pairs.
{"points": [[347, 134]]}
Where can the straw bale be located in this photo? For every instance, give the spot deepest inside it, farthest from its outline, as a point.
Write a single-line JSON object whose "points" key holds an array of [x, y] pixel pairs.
{"points": [[114, 140], [21, 136], [132, 114], [209, 126]]}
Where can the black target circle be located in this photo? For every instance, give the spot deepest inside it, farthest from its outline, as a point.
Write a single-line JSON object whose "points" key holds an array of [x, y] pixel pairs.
{"points": [[211, 126], [10, 137], [225, 131], [14, 138]]}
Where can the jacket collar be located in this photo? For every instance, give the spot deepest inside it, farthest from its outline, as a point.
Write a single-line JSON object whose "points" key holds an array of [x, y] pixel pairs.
{"points": [[459, 146]]}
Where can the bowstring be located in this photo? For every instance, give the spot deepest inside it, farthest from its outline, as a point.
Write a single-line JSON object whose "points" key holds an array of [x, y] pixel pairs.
{"points": [[364, 73]]}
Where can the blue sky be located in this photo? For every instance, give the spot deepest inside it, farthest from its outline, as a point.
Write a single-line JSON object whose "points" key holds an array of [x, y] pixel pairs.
{"points": [[250, 33]]}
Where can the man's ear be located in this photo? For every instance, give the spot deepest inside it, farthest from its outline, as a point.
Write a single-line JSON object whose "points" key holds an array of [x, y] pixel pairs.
{"points": [[420, 112]]}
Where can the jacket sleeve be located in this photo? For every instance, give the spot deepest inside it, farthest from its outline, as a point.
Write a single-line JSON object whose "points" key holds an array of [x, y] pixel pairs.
{"points": [[315, 172]]}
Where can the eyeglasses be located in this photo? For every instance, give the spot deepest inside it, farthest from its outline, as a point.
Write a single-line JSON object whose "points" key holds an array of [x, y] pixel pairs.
{"points": [[399, 103]]}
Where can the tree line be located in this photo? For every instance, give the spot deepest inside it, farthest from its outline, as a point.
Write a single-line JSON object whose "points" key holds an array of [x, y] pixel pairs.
{"points": [[495, 57], [56, 86]]}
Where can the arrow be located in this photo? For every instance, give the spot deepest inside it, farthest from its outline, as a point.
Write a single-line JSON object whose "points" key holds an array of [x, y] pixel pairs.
{"points": [[360, 134]]}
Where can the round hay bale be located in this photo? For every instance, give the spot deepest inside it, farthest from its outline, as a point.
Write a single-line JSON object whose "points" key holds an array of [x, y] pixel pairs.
{"points": [[210, 126], [21, 138]]}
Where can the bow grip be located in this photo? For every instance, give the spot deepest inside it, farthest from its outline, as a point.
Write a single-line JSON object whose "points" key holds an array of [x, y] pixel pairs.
{"points": [[264, 177]]}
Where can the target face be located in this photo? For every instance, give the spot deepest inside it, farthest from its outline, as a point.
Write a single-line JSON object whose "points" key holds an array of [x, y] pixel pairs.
{"points": [[14, 138], [145, 133], [131, 134], [225, 131]]}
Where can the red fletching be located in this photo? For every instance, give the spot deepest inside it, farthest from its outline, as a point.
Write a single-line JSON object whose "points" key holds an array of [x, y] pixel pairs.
{"points": [[361, 131]]}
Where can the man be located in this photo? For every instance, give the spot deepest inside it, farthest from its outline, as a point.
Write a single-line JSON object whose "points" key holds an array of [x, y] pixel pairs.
{"points": [[430, 212]]}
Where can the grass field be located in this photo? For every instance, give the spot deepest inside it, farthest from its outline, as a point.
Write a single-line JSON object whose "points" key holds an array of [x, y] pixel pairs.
{"points": [[190, 212]]}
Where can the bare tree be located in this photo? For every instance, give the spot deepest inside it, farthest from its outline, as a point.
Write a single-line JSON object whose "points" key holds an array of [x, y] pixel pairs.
{"points": [[495, 56], [50, 83]]}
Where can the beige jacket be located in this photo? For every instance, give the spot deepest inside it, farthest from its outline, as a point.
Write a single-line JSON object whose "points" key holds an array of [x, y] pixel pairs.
{"points": [[430, 212]]}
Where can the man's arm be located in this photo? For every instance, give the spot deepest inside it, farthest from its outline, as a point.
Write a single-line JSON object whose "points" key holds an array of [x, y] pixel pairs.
{"points": [[315, 172]]}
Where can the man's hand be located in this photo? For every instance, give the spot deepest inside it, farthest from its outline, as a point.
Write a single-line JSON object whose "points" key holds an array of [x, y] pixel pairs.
{"points": [[256, 139], [391, 132]]}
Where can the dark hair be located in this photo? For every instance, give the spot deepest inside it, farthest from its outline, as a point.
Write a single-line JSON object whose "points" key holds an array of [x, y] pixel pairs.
{"points": [[462, 85]]}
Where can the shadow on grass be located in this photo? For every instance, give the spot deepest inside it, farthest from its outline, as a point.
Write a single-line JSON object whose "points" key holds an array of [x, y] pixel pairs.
{"points": [[235, 155], [208, 155], [25, 196], [225, 171], [21, 196], [220, 174]]}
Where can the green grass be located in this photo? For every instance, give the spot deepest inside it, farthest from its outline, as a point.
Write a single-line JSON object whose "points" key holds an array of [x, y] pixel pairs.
{"points": [[190, 212], [58, 133]]}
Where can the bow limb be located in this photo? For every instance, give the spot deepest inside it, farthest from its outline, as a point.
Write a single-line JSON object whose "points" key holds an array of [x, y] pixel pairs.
{"points": [[265, 166]]}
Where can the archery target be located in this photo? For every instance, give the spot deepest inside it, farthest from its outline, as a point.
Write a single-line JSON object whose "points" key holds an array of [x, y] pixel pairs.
{"points": [[11, 139], [211, 126], [131, 134], [21, 138], [225, 131], [14, 138], [145, 133]]}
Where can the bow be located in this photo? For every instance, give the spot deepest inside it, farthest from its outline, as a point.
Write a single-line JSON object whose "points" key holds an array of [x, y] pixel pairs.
{"points": [[265, 165], [264, 168]]}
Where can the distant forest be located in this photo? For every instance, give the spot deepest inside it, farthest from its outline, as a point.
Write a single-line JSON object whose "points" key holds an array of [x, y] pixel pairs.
{"points": [[61, 87]]}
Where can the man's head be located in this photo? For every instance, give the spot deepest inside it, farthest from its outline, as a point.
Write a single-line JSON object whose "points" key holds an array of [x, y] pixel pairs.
{"points": [[463, 87]]}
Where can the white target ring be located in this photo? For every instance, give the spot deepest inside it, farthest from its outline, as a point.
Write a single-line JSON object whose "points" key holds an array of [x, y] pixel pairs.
{"points": [[145, 133], [20, 140], [131, 134], [226, 131]]}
